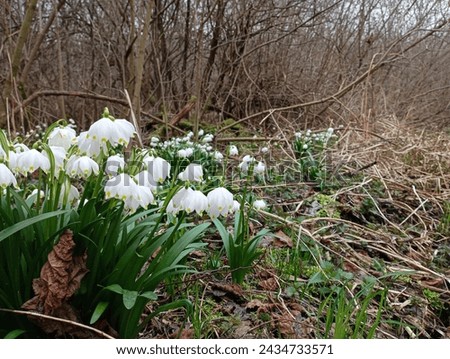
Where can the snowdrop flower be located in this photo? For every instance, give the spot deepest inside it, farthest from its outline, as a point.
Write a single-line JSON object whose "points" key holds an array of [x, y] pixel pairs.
{"points": [[89, 146], [62, 137], [121, 187], [189, 152], [264, 150], [141, 197], [30, 161], [246, 163], [259, 204], [177, 202], [259, 168], [236, 206], [201, 132], [114, 164], [159, 168], [193, 173], [81, 166], [6, 177], [218, 156], [220, 202], [298, 135], [248, 159], [233, 150], [195, 201], [305, 146]]}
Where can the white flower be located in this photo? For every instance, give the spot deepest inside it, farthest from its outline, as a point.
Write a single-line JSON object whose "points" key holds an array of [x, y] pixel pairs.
{"points": [[233, 150], [246, 163], [59, 154], [33, 196], [248, 159], [259, 204], [30, 161], [114, 164], [218, 156], [2, 153], [68, 194], [201, 132], [264, 150], [159, 168], [177, 202], [89, 146], [260, 168], [113, 131], [141, 197], [144, 178], [6, 177], [236, 206], [62, 137], [305, 146], [189, 152], [182, 153], [81, 166], [195, 201], [193, 173], [208, 138], [220, 202], [20, 147]]}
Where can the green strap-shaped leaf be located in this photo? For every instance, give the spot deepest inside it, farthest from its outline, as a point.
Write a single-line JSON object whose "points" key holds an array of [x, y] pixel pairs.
{"points": [[28, 222]]}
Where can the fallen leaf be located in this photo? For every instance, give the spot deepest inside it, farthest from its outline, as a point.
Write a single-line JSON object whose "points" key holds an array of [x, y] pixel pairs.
{"points": [[59, 279], [269, 284], [233, 289], [282, 240]]}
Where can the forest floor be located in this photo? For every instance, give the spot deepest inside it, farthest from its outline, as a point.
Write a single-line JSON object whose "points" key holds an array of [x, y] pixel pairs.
{"points": [[365, 253]]}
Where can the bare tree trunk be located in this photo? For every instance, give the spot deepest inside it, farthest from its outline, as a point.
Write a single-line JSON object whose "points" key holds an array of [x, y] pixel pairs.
{"points": [[16, 59]]}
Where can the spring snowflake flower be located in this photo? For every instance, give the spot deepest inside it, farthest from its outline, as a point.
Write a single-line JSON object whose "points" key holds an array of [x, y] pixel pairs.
{"points": [[81, 166], [6, 177], [195, 201], [259, 168], [220, 202], [177, 202], [193, 173], [144, 178], [116, 132], [233, 150], [259, 204], [305, 146], [30, 161], [201, 132], [33, 196], [114, 164], [218, 156], [264, 149], [68, 194], [246, 163], [59, 154], [62, 137], [236, 206], [159, 168], [208, 138]]}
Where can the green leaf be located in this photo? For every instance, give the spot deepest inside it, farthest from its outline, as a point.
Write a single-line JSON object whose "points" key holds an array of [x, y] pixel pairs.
{"points": [[14, 334], [316, 278], [98, 311], [28, 222], [129, 298], [115, 288], [149, 295]]}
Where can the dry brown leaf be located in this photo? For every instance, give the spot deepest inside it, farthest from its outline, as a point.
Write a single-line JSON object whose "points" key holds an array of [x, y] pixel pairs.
{"points": [[254, 304], [269, 284], [59, 279], [282, 240], [233, 289]]}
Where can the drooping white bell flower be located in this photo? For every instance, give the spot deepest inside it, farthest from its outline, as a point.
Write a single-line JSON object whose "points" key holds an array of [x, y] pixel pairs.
{"points": [[144, 178], [6, 177], [220, 202], [259, 204], [59, 154], [264, 149], [218, 156], [208, 138], [259, 168], [68, 194], [193, 173], [113, 131], [62, 137], [233, 150], [177, 202], [195, 201], [90, 147], [114, 164], [159, 168], [236, 206], [83, 166], [246, 163], [141, 197], [30, 161]]}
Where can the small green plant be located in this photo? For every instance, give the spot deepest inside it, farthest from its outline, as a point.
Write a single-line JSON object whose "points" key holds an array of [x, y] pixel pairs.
{"points": [[240, 249], [345, 317], [310, 150]]}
